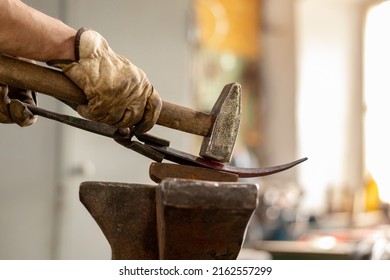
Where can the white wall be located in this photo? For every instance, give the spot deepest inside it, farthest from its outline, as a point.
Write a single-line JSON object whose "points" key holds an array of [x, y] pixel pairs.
{"points": [[330, 98], [28, 183], [278, 85]]}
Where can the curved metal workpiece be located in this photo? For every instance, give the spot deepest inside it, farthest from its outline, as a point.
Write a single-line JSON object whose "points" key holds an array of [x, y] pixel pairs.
{"points": [[189, 159], [254, 172]]}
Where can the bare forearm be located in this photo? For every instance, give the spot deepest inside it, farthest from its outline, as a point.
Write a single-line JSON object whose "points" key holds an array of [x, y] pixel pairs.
{"points": [[26, 32]]}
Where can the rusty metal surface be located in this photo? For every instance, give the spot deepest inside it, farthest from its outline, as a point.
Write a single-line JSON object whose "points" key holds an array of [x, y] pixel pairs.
{"points": [[160, 171], [219, 144], [203, 220], [126, 214], [178, 219], [242, 172]]}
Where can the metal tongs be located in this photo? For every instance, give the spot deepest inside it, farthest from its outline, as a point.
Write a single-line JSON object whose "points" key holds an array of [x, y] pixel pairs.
{"points": [[155, 148]]}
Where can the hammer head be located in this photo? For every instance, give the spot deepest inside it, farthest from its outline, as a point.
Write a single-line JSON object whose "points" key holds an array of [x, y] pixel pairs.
{"points": [[219, 143]]}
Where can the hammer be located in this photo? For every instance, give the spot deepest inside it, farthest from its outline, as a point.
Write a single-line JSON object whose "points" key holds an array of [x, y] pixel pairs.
{"points": [[219, 127]]}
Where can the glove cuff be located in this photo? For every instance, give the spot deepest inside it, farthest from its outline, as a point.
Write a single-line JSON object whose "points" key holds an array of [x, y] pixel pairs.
{"points": [[85, 46], [78, 42]]}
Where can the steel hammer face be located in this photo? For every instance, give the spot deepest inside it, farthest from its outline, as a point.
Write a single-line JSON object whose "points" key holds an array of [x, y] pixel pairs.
{"points": [[219, 143]]}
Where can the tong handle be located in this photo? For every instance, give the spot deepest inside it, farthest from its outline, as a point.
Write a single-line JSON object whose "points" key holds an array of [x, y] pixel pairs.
{"points": [[91, 126], [122, 136]]}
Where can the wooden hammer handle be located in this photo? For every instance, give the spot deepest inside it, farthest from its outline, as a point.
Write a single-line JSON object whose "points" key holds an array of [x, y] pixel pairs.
{"points": [[22, 74]]}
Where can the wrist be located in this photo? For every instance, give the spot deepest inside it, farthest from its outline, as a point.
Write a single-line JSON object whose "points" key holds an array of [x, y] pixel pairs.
{"points": [[63, 47], [29, 33]]}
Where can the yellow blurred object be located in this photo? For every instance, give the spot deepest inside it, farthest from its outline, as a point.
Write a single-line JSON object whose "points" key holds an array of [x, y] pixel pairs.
{"points": [[229, 25], [372, 200]]}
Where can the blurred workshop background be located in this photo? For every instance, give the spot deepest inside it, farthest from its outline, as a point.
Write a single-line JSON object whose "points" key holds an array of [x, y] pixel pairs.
{"points": [[316, 83]]}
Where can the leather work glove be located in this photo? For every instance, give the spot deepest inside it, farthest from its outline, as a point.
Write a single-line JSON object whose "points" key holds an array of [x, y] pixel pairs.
{"points": [[118, 92], [12, 110]]}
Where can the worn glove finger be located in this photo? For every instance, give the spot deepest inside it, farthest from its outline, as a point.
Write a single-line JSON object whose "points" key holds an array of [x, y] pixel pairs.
{"points": [[5, 117], [109, 117], [151, 114], [20, 114], [12, 110]]}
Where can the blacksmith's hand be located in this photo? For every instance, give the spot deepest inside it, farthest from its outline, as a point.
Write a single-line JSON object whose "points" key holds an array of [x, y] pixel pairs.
{"points": [[117, 91]]}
